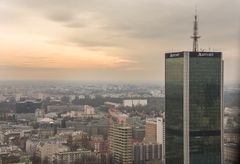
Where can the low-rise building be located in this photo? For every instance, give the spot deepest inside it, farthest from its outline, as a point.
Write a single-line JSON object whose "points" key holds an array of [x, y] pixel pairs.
{"points": [[46, 149], [31, 145], [147, 153], [98, 144], [73, 156], [39, 113], [134, 102], [231, 154]]}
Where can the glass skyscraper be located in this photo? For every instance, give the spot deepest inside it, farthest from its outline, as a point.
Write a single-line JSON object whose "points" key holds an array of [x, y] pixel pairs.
{"points": [[193, 107]]}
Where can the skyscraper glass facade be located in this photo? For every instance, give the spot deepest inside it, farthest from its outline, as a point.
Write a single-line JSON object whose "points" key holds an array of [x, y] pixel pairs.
{"points": [[174, 108], [203, 110]]}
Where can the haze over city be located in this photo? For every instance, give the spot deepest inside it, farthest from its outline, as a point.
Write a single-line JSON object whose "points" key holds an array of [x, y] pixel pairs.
{"points": [[119, 81], [110, 40]]}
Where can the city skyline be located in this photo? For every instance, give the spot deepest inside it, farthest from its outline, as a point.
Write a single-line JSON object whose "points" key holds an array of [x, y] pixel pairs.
{"points": [[111, 40]]}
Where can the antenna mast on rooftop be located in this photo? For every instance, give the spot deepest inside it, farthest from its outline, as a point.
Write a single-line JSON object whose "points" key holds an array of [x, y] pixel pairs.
{"points": [[195, 36]]}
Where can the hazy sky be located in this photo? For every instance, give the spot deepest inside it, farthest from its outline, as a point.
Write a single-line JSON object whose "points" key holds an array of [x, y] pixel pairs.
{"points": [[111, 39]]}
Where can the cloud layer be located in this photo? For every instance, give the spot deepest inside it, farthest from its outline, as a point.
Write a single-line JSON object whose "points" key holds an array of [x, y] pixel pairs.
{"points": [[112, 39]]}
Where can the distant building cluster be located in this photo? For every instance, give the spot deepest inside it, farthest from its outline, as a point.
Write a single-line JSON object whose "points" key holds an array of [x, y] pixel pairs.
{"points": [[185, 123], [134, 102], [87, 112]]}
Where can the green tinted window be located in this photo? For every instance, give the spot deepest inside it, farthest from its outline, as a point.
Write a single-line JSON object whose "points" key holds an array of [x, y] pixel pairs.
{"points": [[174, 110], [205, 110]]}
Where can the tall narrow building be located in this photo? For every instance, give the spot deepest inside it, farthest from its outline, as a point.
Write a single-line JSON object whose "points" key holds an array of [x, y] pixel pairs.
{"points": [[154, 130], [120, 137], [155, 133], [193, 106]]}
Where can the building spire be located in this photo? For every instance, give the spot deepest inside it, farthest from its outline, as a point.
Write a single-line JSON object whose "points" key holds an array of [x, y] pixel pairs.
{"points": [[195, 36]]}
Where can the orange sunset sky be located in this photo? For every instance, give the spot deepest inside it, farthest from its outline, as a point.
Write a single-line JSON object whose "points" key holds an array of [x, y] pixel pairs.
{"points": [[110, 40]]}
